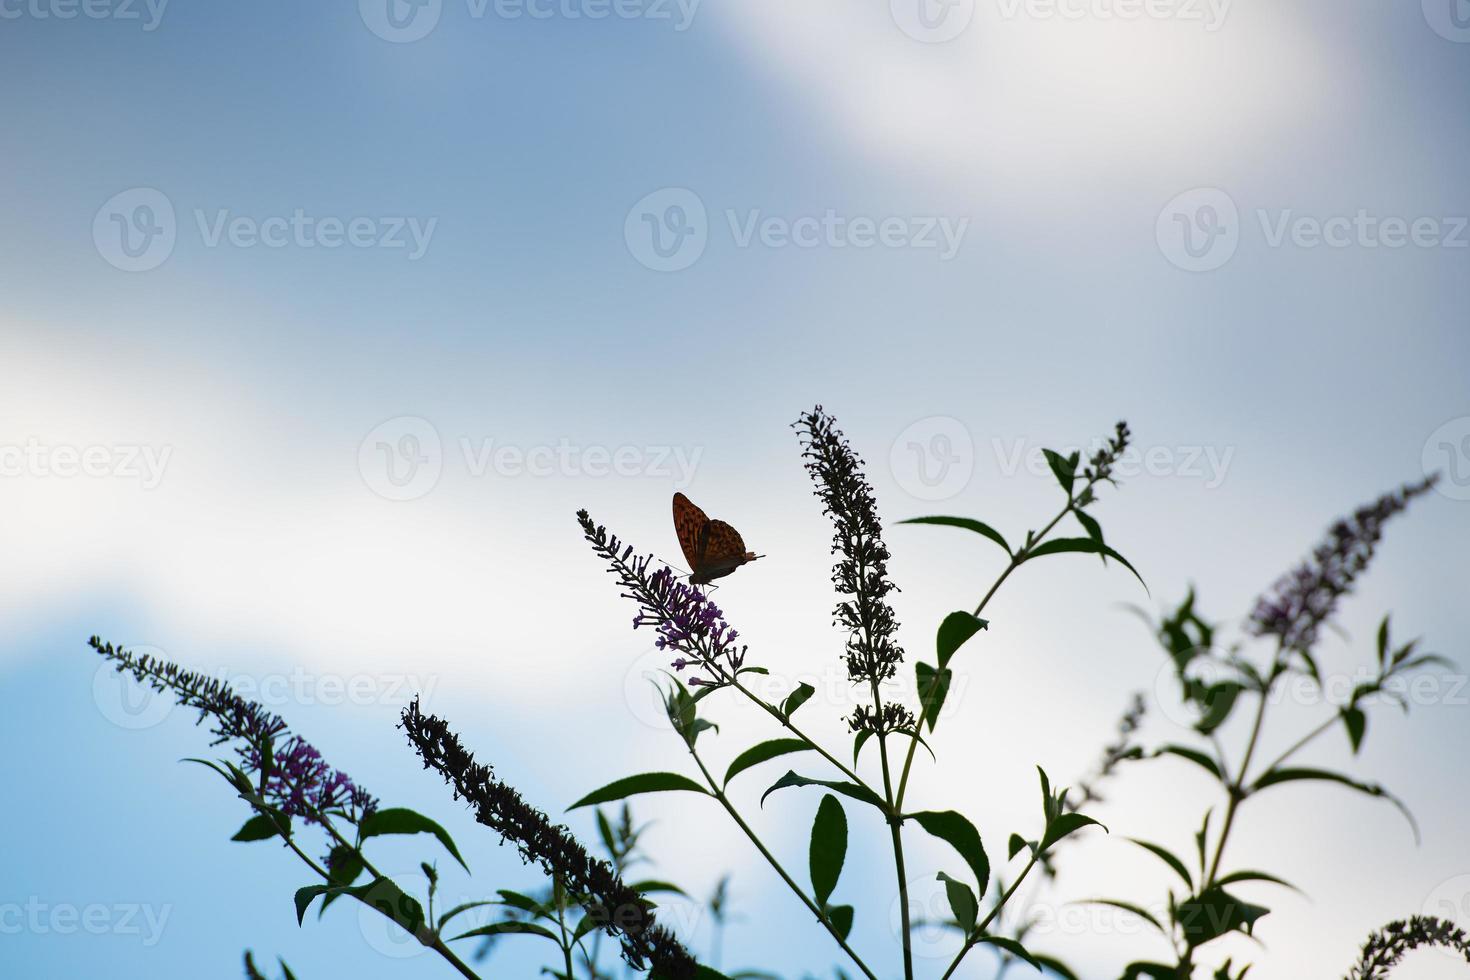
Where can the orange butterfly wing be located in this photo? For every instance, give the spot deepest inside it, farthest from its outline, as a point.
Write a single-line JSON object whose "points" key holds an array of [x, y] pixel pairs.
{"points": [[691, 525], [724, 545]]}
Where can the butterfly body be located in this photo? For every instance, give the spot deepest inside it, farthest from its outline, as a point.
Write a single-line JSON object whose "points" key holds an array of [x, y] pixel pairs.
{"points": [[713, 549]]}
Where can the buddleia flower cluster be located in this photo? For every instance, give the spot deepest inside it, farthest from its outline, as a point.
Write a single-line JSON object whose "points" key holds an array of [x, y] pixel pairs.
{"points": [[861, 572], [616, 907], [1385, 948], [1099, 468], [291, 774], [1305, 598], [685, 619]]}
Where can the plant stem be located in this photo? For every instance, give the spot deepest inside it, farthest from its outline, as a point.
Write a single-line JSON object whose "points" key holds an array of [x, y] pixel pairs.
{"points": [[719, 794], [979, 932], [436, 942], [1017, 560], [895, 831], [786, 723]]}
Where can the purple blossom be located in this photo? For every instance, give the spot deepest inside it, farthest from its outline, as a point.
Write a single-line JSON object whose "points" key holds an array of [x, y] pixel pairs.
{"points": [[685, 619], [1303, 599]]}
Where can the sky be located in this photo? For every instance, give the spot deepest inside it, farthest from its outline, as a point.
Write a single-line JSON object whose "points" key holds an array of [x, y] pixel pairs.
{"points": [[319, 323]]}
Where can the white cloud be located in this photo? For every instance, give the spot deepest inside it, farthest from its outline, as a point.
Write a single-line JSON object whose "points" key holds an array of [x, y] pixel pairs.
{"points": [[1023, 108]]}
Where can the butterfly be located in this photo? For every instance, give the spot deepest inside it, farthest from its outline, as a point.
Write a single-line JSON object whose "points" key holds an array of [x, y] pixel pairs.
{"points": [[713, 549]]}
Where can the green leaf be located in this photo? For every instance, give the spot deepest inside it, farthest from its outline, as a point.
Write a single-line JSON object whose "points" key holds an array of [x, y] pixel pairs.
{"points": [[1356, 723], [1155, 971], [953, 632], [1058, 546], [1193, 755], [648, 782], [508, 928], [1213, 913], [1064, 826], [384, 895], [1168, 858], [965, 523], [1278, 776], [841, 916], [1010, 946], [1017, 845], [399, 820], [1089, 524], [962, 902], [933, 687], [525, 903], [828, 847], [304, 898], [851, 790], [1132, 909], [858, 741], [259, 827], [763, 752], [1239, 876], [796, 699], [653, 885], [460, 910], [956, 831], [345, 864], [1051, 964], [1063, 468]]}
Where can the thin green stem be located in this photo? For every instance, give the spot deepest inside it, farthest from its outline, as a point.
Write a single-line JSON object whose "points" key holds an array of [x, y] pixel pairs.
{"points": [[430, 938], [895, 831], [786, 723], [979, 933], [1017, 560], [719, 794]]}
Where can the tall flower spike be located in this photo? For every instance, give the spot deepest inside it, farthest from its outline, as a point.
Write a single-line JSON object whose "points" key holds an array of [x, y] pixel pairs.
{"points": [[619, 910], [297, 780], [685, 619], [1385, 948], [861, 571], [1305, 598]]}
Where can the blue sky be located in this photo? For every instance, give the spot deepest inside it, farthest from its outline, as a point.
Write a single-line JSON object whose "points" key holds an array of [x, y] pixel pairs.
{"points": [[967, 249]]}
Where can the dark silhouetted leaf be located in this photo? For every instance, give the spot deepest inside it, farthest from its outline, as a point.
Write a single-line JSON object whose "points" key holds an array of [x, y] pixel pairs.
{"points": [[828, 848], [648, 782], [965, 523], [763, 752]]}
